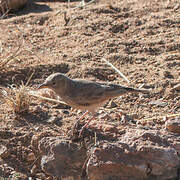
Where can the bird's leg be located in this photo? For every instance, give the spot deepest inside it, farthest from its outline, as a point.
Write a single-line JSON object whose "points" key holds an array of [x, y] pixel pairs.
{"points": [[82, 129], [83, 116], [77, 122], [75, 126]]}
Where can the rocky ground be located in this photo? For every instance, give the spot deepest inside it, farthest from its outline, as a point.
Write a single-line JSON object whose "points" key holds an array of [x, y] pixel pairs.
{"points": [[141, 39]]}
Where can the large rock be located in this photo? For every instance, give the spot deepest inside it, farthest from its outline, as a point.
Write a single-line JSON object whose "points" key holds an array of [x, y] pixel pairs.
{"points": [[61, 158], [173, 124], [137, 154]]}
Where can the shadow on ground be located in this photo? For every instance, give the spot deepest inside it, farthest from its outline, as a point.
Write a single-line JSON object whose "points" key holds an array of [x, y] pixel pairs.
{"points": [[40, 72]]}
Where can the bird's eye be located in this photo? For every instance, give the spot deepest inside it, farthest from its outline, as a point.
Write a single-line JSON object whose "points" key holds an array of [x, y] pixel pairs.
{"points": [[54, 83]]}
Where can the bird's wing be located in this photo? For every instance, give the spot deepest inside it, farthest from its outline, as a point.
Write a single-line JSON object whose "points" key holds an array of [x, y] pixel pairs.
{"points": [[86, 93]]}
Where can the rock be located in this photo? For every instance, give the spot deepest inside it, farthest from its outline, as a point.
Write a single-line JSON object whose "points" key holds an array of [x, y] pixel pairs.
{"points": [[61, 158], [113, 104], [31, 157], [55, 120], [104, 116], [36, 139], [176, 7], [176, 87], [4, 153], [173, 125], [133, 116], [61, 106], [167, 74], [34, 169], [158, 103], [40, 176], [17, 175], [65, 112], [136, 154]]}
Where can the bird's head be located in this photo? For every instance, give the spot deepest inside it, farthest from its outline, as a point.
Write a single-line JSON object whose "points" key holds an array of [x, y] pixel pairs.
{"points": [[56, 82]]}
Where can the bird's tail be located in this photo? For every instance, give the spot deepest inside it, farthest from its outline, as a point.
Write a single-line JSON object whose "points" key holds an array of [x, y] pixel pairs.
{"points": [[137, 90], [117, 90]]}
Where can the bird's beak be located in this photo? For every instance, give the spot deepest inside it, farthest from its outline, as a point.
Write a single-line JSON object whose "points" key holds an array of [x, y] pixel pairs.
{"points": [[42, 86]]}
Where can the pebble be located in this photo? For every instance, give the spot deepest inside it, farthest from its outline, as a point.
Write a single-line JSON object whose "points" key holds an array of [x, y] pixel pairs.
{"points": [[159, 103], [173, 125], [176, 87], [167, 74], [113, 104], [65, 112], [3, 151], [55, 120], [31, 157]]}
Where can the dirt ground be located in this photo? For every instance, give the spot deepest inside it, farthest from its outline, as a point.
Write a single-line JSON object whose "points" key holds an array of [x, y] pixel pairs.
{"points": [[139, 37]]}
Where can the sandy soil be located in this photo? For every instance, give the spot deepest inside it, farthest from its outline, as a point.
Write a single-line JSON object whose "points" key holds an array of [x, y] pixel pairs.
{"points": [[140, 38]]}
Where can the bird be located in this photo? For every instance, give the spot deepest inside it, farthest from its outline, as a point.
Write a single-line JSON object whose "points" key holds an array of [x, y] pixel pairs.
{"points": [[85, 95]]}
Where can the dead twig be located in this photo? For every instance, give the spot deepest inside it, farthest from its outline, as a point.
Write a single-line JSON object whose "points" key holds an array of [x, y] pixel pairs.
{"points": [[66, 19], [45, 98], [11, 57], [117, 70], [161, 117]]}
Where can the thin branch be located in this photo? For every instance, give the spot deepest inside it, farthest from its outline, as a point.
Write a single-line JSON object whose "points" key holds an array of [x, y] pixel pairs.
{"points": [[11, 57], [117, 70], [161, 117], [45, 98]]}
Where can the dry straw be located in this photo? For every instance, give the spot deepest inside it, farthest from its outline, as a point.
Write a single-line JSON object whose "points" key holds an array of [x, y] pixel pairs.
{"points": [[18, 98], [10, 58]]}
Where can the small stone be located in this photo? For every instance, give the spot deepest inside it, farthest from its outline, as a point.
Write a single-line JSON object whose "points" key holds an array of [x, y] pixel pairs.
{"points": [[40, 176], [173, 125], [176, 87], [167, 74], [134, 116], [104, 116], [113, 104], [61, 106], [158, 103], [51, 119], [144, 95], [176, 7], [17, 175], [31, 157], [55, 120], [34, 170], [65, 112], [3, 151]]}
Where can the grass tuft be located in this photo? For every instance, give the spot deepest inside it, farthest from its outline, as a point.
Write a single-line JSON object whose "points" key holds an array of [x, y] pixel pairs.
{"points": [[18, 99]]}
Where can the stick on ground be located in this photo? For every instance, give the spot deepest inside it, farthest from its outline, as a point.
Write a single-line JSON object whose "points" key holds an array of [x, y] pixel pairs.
{"points": [[117, 70]]}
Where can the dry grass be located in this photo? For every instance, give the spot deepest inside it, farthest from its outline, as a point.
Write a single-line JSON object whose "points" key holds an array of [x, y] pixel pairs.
{"points": [[18, 99], [10, 58]]}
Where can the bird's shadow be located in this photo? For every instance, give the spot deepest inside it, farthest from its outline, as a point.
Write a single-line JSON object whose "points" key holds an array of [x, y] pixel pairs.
{"points": [[37, 117]]}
